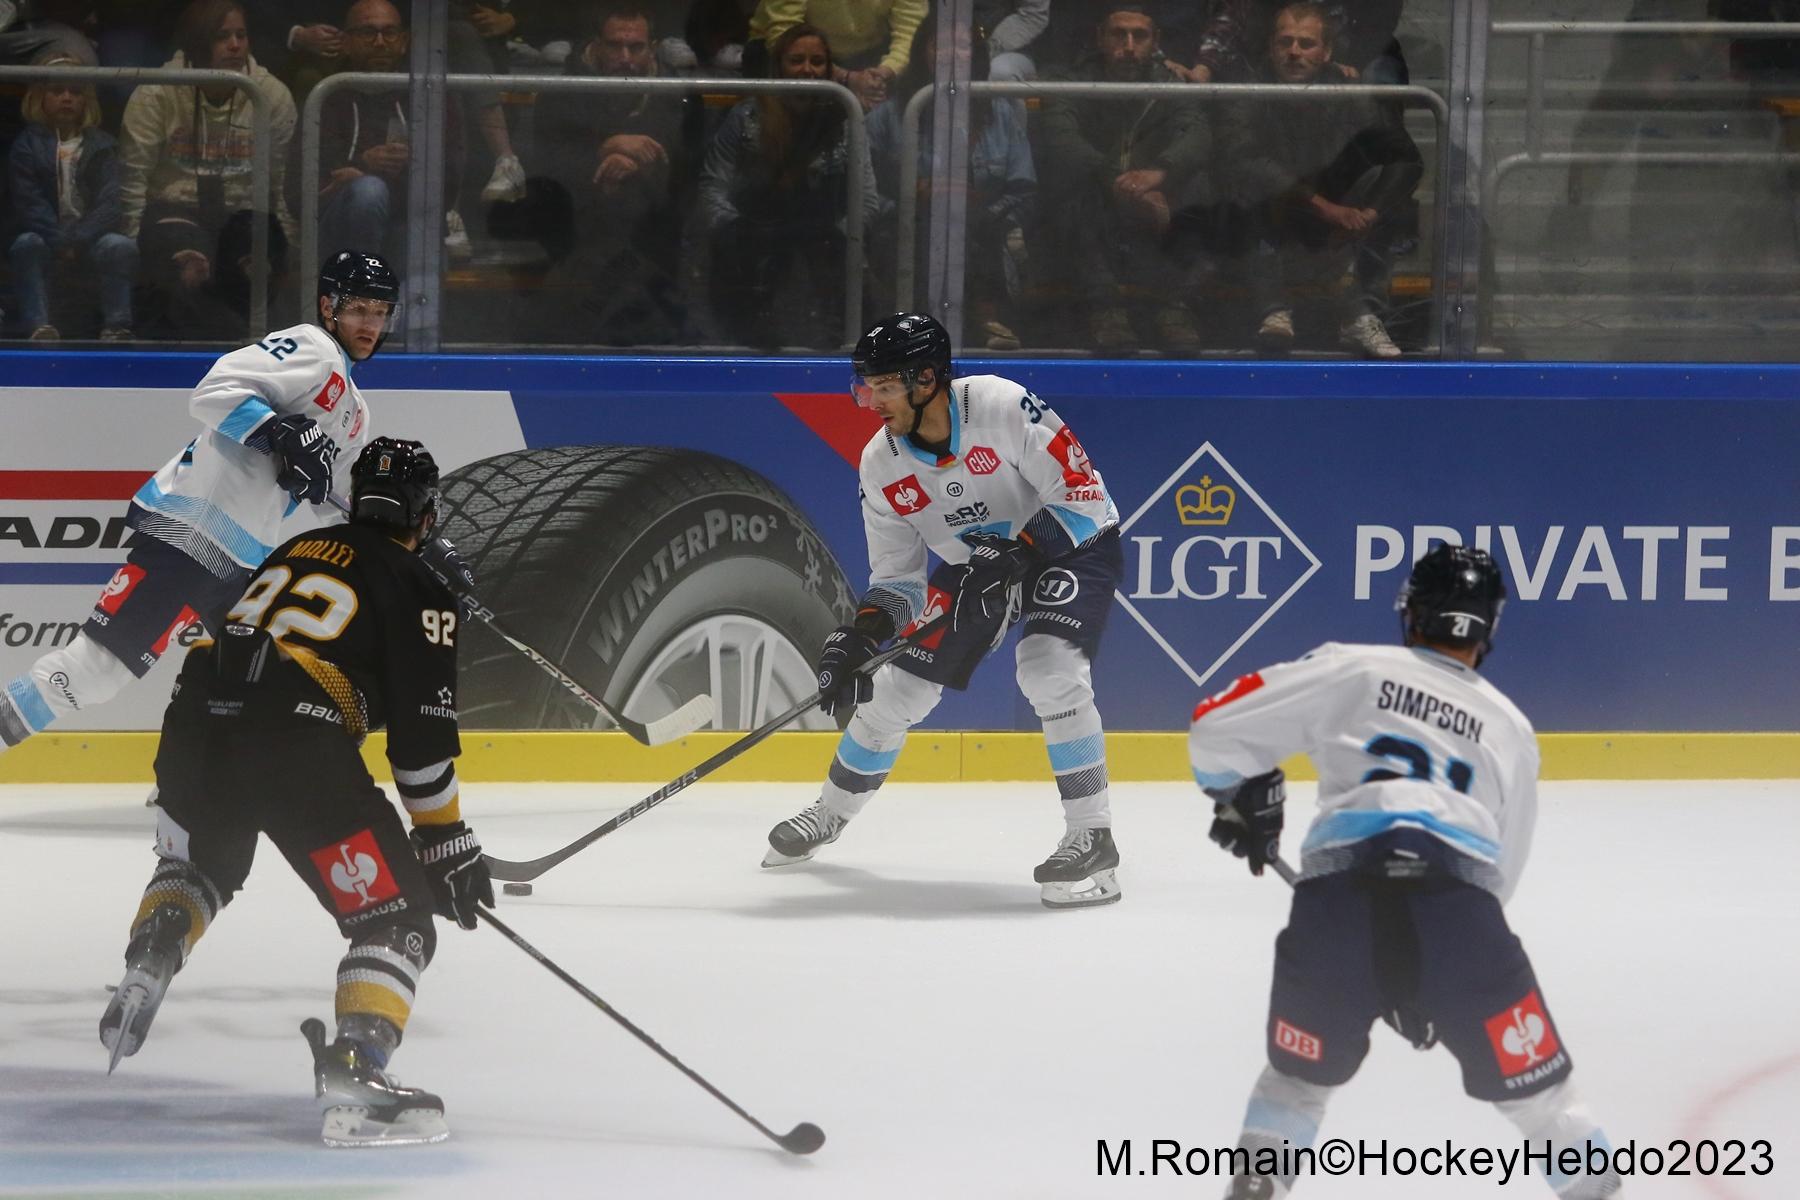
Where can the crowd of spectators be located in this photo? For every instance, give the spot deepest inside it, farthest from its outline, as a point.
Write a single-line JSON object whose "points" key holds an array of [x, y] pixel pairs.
{"points": [[1173, 221]]}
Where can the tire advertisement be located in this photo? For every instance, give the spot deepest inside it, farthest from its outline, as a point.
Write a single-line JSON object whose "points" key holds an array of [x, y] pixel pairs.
{"points": [[667, 528]]}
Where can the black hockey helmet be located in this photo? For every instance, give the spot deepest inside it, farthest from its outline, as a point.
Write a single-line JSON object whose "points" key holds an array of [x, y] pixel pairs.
{"points": [[901, 345], [353, 273], [1453, 598], [393, 484]]}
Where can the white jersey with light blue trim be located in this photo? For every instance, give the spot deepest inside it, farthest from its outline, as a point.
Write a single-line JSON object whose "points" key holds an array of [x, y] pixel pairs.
{"points": [[217, 501], [1402, 738], [1012, 468]]}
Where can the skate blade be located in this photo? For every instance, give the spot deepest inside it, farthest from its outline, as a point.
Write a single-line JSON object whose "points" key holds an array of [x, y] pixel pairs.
{"points": [[1102, 887], [349, 1127], [129, 1000], [775, 858]]}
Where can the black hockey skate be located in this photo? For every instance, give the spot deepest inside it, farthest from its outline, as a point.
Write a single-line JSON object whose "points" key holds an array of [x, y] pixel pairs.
{"points": [[362, 1106], [151, 960], [1081, 872], [1256, 1187], [797, 838]]}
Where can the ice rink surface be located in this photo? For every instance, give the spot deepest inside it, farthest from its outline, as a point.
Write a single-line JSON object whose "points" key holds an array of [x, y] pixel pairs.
{"points": [[907, 993]]}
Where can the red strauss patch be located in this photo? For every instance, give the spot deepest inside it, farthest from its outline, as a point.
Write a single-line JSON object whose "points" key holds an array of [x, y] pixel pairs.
{"points": [[1240, 687], [355, 873], [981, 461], [331, 393], [1077, 470], [119, 587], [1522, 1035], [907, 496]]}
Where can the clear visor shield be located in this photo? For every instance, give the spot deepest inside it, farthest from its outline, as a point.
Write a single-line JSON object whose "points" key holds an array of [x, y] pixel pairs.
{"points": [[383, 316], [866, 389]]}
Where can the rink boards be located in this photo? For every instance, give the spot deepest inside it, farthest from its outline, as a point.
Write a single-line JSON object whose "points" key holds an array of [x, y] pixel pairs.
{"points": [[1648, 518]]}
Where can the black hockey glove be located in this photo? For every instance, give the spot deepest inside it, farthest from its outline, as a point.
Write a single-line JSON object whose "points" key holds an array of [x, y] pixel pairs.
{"points": [[995, 564], [840, 683], [451, 856], [304, 456], [1247, 818], [441, 556]]}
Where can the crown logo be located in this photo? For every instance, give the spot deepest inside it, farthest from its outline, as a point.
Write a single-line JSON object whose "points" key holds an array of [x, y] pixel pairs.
{"points": [[1205, 503]]}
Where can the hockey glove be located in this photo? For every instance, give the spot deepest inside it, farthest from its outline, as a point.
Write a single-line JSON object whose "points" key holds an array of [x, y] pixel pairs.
{"points": [[451, 856], [441, 556], [304, 456], [1247, 818], [995, 564], [841, 684]]}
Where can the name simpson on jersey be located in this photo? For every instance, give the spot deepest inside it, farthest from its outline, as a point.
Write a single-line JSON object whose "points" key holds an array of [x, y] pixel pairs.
{"points": [[1423, 706]]}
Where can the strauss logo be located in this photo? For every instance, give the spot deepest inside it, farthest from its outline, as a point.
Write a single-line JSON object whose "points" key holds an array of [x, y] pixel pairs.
{"points": [[1523, 1037], [354, 874], [906, 495]]}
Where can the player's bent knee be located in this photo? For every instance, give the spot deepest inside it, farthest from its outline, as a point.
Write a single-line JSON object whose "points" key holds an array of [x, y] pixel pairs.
{"points": [[83, 674], [1053, 674], [901, 701]]}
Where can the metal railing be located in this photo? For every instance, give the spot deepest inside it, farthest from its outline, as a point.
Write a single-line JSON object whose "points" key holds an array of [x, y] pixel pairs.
{"points": [[260, 117], [1534, 154], [1095, 90], [858, 136]]}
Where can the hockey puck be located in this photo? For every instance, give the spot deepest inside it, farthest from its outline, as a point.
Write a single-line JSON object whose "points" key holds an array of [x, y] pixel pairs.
{"points": [[516, 889]]}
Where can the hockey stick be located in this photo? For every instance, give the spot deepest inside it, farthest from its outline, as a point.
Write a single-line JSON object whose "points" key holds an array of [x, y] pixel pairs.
{"points": [[678, 724], [520, 872], [803, 1138]]}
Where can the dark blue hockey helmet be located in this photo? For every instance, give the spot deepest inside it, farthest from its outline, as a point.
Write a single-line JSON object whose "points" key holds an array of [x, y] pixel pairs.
{"points": [[394, 484], [1453, 598], [902, 344], [352, 273]]}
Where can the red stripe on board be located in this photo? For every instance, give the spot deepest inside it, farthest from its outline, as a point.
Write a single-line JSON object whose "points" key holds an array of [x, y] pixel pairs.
{"points": [[836, 418], [71, 485]]}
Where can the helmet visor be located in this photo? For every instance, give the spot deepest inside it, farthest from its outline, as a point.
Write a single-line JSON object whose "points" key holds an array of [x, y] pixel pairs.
{"points": [[865, 389]]}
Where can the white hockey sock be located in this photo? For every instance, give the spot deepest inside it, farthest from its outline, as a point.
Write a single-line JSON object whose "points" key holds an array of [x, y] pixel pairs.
{"points": [[68, 679], [1283, 1114], [873, 739], [1558, 1116], [1056, 678]]}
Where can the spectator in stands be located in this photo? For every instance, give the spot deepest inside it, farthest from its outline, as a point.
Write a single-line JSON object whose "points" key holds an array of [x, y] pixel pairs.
{"points": [[1010, 27], [774, 190], [300, 41], [624, 162], [1121, 168], [1231, 41], [27, 37], [476, 45], [365, 139], [716, 32], [63, 174], [187, 151], [1002, 184], [871, 40], [1318, 181], [219, 309]]}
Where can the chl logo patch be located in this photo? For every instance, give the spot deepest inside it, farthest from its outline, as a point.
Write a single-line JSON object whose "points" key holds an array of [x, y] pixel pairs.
{"points": [[1522, 1036], [1077, 470], [355, 873], [981, 461], [331, 393], [119, 587], [1298, 1042], [907, 496]]}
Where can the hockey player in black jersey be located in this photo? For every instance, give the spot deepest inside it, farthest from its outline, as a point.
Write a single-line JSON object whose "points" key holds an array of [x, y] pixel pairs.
{"points": [[343, 630]]}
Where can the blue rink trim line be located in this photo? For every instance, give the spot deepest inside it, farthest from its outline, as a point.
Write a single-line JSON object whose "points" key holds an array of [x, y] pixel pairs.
{"points": [[862, 760], [1342, 828], [1263, 1117], [51, 574], [1073, 756], [30, 703]]}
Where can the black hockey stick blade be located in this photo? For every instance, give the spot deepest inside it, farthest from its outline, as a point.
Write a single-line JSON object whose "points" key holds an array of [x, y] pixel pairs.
{"points": [[804, 1138], [522, 872], [666, 728]]}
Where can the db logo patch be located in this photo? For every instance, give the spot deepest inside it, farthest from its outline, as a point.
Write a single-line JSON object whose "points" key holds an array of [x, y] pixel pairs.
{"points": [[355, 873], [331, 393], [119, 587], [907, 496], [1298, 1042], [1077, 470], [1056, 586], [981, 461], [1522, 1035]]}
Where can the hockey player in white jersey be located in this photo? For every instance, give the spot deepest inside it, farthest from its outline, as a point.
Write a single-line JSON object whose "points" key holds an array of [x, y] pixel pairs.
{"points": [[980, 473], [1427, 798], [277, 417]]}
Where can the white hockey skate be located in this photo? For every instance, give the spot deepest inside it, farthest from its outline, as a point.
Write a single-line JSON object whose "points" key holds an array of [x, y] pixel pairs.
{"points": [[796, 839], [1081, 872], [151, 960], [362, 1107]]}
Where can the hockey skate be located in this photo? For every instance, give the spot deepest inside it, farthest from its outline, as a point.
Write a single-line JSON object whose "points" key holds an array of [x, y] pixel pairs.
{"points": [[1081, 872], [151, 960], [796, 839], [1256, 1187], [362, 1106]]}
